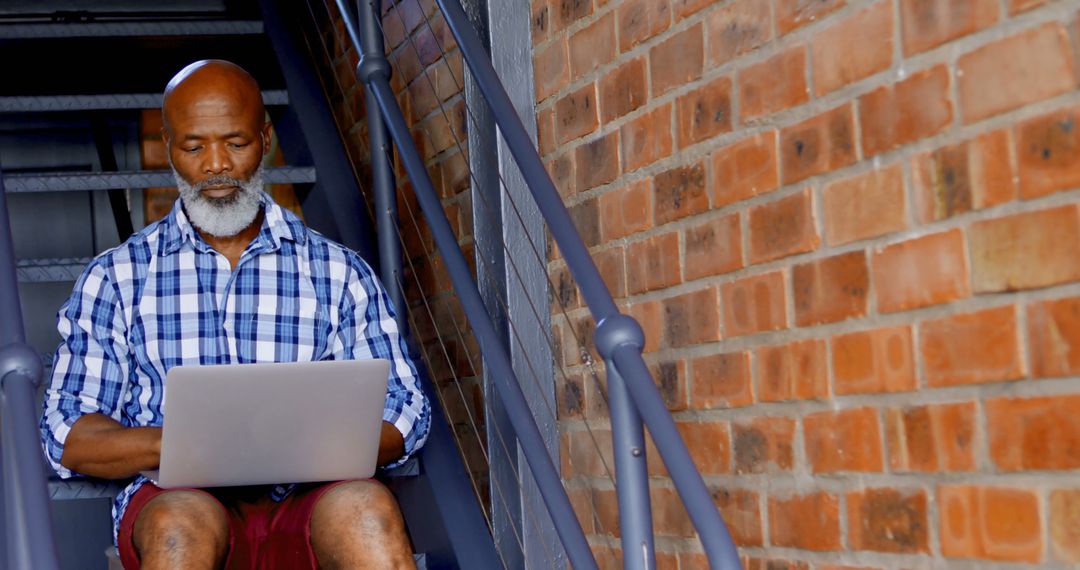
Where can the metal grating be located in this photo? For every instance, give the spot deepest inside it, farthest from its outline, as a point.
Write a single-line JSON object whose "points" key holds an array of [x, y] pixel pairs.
{"points": [[67, 181], [32, 31], [50, 270], [53, 103]]}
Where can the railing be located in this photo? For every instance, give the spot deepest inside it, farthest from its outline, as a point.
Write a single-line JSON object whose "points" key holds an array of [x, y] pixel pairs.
{"points": [[27, 526], [632, 394]]}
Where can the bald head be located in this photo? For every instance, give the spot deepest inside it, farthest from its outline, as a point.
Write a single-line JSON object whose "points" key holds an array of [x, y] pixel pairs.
{"points": [[216, 86]]}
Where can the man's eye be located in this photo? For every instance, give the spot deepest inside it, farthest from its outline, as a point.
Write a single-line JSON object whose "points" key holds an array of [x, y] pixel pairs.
{"points": [[237, 145], [192, 149]]}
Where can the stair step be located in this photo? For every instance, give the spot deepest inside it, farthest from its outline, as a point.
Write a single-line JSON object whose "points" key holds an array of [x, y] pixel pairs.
{"points": [[53, 103], [50, 270], [47, 30], [74, 489], [73, 181]]}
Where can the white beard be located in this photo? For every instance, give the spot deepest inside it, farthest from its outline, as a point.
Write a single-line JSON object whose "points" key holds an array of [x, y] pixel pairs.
{"points": [[222, 217]]}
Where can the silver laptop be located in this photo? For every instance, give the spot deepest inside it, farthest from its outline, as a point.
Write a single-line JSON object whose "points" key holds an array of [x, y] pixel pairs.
{"points": [[253, 424]]}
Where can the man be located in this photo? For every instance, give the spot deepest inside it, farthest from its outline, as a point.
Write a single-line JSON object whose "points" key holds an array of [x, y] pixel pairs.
{"points": [[227, 277]]}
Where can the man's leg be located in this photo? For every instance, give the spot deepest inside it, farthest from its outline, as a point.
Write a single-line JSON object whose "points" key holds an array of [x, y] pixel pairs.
{"points": [[181, 529], [358, 525]]}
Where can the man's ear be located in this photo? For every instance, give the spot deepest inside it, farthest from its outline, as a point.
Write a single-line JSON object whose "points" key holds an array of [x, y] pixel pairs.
{"points": [[165, 136], [267, 135]]}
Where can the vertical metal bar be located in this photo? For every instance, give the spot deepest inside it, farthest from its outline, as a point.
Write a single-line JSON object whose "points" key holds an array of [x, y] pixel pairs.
{"points": [[631, 476], [382, 173], [27, 523], [374, 73], [623, 333]]}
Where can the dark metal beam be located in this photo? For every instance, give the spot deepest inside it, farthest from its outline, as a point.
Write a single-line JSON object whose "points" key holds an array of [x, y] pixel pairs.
{"points": [[115, 101], [68, 181], [35, 31], [50, 270]]}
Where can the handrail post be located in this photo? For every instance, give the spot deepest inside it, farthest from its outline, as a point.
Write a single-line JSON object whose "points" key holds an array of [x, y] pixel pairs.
{"points": [[382, 173], [716, 541], [628, 439], [27, 522], [374, 73]]}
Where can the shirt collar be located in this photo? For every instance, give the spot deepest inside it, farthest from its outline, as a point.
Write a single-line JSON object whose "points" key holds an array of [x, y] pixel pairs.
{"points": [[278, 225]]}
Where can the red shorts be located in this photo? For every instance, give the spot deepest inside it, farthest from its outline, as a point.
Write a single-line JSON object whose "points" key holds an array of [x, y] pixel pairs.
{"points": [[263, 534]]}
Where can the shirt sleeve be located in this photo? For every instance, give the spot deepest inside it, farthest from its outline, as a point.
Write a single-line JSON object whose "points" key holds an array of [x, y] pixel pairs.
{"points": [[377, 336], [90, 365]]}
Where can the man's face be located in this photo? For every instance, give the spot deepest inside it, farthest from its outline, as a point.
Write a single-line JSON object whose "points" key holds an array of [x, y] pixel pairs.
{"points": [[216, 145]]}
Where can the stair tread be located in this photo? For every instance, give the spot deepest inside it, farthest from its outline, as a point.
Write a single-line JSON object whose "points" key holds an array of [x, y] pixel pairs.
{"points": [[112, 101]]}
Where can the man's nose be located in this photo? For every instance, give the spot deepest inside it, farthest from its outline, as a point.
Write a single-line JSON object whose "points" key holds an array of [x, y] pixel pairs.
{"points": [[217, 160]]}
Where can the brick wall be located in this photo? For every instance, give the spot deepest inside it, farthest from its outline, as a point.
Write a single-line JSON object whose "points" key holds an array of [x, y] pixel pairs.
{"points": [[851, 232]]}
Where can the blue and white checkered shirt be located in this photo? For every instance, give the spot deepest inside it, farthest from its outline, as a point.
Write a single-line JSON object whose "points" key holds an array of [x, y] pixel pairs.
{"points": [[165, 298]]}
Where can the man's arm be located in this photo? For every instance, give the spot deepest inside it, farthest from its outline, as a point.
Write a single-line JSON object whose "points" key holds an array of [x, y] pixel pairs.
{"points": [[391, 444], [99, 446]]}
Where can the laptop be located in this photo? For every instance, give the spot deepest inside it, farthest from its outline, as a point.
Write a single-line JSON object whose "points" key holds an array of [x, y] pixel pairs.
{"points": [[254, 424]]}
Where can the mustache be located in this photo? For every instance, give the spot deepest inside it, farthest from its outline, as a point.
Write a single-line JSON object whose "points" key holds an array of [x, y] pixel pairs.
{"points": [[218, 180]]}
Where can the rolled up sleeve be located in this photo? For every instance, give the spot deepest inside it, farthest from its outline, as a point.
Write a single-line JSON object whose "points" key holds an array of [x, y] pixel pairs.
{"points": [[377, 336], [90, 365]]}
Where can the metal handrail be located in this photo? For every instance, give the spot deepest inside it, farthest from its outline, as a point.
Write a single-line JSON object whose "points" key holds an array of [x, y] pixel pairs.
{"points": [[28, 538], [633, 394]]}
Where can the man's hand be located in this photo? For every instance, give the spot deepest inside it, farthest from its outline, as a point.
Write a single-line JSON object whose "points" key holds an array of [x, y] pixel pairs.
{"points": [[99, 446], [391, 444]]}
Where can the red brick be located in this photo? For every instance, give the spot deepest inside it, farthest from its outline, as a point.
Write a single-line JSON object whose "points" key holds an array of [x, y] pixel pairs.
{"points": [[647, 138], [792, 14], [936, 437], [586, 218], [857, 47], [881, 360], [1031, 66], [679, 192], [590, 453], [575, 114], [904, 112], [669, 515], [611, 263], [626, 210], [684, 8], [966, 176], [845, 440], [1024, 251], [810, 522], [742, 515], [993, 523], [888, 520], [677, 60], [545, 131], [592, 46], [567, 12], [764, 445], [774, 84], [691, 318], [783, 227], [721, 381], [1054, 333], [713, 247], [1048, 150], [821, 144], [754, 304], [623, 90], [736, 28], [640, 20], [647, 314], [924, 271], [704, 112], [154, 153], [539, 22], [653, 263], [1034, 433], [565, 292], [745, 169], [773, 564], [971, 348], [1017, 6], [831, 289], [597, 162], [864, 206], [562, 171], [930, 23], [673, 384], [551, 68], [1065, 524], [794, 371], [709, 445]]}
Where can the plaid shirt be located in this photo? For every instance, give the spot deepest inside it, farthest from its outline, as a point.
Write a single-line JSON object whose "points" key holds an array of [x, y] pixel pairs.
{"points": [[165, 298]]}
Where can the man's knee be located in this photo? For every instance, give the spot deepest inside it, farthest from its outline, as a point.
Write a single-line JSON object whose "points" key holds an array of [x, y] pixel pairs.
{"points": [[364, 506], [178, 520]]}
